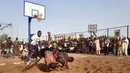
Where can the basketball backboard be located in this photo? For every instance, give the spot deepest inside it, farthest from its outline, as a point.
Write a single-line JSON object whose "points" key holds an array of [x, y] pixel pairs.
{"points": [[92, 28], [30, 9]]}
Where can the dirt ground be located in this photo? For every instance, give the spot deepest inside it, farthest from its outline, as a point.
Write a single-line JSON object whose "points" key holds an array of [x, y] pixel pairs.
{"points": [[81, 64]]}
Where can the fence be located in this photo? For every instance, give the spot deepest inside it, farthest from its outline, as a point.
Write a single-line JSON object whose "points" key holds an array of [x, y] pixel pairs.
{"points": [[109, 32], [124, 31]]}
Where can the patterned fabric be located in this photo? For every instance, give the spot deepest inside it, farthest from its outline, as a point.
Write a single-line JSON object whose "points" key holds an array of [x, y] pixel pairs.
{"points": [[55, 52]]}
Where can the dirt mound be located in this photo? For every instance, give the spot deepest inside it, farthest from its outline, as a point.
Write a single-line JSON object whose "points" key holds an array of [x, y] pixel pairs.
{"points": [[81, 64]]}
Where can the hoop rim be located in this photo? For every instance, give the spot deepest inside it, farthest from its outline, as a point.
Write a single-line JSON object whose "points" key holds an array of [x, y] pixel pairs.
{"points": [[38, 16], [39, 19]]}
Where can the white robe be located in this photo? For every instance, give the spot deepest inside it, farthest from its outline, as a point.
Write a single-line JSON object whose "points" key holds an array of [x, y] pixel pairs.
{"points": [[97, 44]]}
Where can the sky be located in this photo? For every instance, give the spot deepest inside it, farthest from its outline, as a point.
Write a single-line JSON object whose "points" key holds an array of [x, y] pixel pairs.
{"points": [[64, 16]]}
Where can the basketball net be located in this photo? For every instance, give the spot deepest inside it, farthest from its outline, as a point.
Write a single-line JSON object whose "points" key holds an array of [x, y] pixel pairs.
{"points": [[38, 16]]}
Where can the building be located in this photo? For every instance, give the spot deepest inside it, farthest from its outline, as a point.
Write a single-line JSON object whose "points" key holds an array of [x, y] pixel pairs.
{"points": [[65, 36]]}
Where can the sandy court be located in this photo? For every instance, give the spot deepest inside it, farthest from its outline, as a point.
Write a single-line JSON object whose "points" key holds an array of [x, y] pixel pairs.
{"points": [[81, 64]]}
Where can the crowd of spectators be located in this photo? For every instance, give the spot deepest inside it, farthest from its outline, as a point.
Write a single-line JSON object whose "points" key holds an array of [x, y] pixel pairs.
{"points": [[92, 45], [95, 45]]}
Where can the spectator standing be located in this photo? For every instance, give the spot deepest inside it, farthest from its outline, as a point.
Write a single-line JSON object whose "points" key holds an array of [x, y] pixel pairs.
{"points": [[125, 43], [9, 45], [16, 47], [115, 46], [119, 45], [106, 47], [97, 44]]}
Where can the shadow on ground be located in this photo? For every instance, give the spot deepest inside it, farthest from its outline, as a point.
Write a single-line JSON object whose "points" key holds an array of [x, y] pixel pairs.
{"points": [[42, 67]]}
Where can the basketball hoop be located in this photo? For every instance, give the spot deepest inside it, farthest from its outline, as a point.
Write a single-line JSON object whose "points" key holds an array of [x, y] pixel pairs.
{"points": [[38, 16]]}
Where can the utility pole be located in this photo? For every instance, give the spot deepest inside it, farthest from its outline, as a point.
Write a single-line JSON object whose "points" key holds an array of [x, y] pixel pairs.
{"points": [[107, 32], [17, 30], [128, 31]]}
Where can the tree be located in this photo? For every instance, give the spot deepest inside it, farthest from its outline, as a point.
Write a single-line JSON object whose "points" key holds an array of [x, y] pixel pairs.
{"points": [[3, 37]]}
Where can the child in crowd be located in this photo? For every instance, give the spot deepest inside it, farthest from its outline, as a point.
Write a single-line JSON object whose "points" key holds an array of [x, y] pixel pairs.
{"points": [[25, 51]]}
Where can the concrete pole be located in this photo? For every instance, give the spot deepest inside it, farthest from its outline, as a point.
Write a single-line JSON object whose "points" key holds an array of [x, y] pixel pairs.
{"points": [[127, 31], [107, 32], [75, 35]]}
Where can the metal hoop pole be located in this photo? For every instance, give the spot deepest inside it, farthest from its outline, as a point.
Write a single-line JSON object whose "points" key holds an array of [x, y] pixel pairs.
{"points": [[29, 28]]}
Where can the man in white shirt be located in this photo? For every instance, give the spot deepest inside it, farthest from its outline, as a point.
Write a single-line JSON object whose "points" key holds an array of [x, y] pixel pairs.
{"points": [[35, 44]]}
